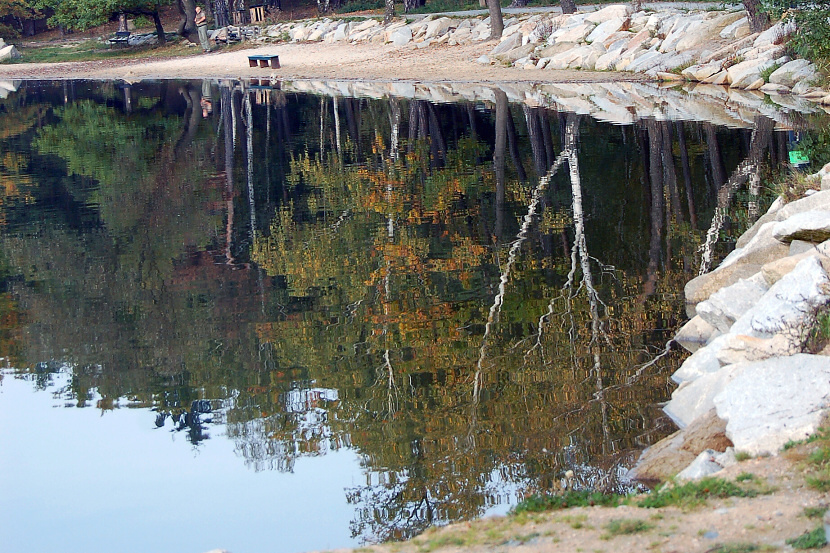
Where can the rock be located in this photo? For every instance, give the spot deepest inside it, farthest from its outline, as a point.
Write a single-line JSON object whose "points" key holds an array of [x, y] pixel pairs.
{"points": [[700, 288], [670, 455], [703, 361], [699, 72], [438, 27], [798, 247], [775, 270], [776, 34], [573, 34], [514, 54], [768, 403], [606, 29], [703, 465], [9, 53], [768, 217], [695, 334], [2, 43], [692, 400], [402, 36], [738, 29], [792, 72], [742, 75], [790, 304], [509, 43], [619, 11], [738, 348], [762, 248], [809, 225], [483, 60], [726, 305]]}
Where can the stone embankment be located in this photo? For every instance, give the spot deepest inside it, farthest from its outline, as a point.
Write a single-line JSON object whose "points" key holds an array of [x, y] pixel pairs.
{"points": [[748, 386], [714, 47]]}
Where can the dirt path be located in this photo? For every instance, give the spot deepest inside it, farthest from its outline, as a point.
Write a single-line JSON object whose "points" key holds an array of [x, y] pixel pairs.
{"points": [[365, 62]]}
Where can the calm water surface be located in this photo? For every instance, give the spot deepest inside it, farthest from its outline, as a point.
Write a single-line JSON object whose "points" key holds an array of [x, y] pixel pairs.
{"points": [[238, 317]]}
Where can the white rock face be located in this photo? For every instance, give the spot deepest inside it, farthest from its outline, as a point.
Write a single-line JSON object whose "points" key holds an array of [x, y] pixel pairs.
{"points": [[573, 34], [620, 11], [744, 74], [707, 463], [813, 226], [696, 398], [703, 361], [792, 72], [439, 27], [768, 403], [725, 306], [605, 29], [789, 304], [695, 334], [734, 30], [509, 43], [401, 36], [819, 201], [9, 53]]}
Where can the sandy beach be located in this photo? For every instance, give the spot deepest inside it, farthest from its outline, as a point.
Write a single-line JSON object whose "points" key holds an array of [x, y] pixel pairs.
{"points": [[340, 61]]}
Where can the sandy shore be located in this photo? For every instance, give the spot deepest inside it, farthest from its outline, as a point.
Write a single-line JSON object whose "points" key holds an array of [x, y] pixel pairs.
{"points": [[365, 62]]}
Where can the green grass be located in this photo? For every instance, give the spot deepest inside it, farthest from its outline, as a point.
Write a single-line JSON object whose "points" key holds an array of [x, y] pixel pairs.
{"points": [[809, 540], [740, 547], [765, 73], [538, 502], [625, 527], [94, 50], [814, 512], [694, 494]]}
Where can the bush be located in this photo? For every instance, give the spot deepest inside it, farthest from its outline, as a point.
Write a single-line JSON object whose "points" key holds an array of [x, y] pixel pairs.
{"points": [[812, 39]]}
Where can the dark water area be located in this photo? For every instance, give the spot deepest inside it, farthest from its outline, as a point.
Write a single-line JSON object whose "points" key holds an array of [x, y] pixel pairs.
{"points": [[241, 317]]}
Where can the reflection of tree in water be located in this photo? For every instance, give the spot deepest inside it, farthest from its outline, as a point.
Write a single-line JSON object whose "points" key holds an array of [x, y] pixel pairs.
{"points": [[473, 330]]}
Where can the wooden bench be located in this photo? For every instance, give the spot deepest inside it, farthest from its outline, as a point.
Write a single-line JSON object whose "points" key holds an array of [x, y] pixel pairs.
{"points": [[121, 37], [272, 61]]}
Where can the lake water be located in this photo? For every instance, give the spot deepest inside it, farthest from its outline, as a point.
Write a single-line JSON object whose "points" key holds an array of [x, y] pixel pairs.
{"points": [[236, 315]]}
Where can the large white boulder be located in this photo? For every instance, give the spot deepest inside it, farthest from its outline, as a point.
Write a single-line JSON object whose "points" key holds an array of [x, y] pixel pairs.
{"points": [[618, 11], [726, 306], [776, 34], [9, 53], [738, 29], [605, 29], [438, 27], [703, 361], [768, 403], [813, 226], [573, 34], [694, 399], [746, 73], [790, 304], [819, 200], [695, 334], [507, 44], [792, 72], [401, 36]]}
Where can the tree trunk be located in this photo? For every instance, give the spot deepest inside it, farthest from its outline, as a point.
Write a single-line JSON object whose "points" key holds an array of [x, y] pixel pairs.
{"points": [[187, 25], [496, 20], [159, 29], [758, 20], [499, 158], [122, 22], [568, 6], [389, 12]]}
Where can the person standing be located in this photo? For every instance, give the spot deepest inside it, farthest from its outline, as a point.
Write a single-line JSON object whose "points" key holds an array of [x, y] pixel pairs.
{"points": [[201, 26]]}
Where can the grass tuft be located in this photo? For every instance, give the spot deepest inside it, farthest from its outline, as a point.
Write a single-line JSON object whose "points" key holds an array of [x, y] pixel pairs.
{"points": [[694, 494], [625, 527], [809, 540], [541, 502]]}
